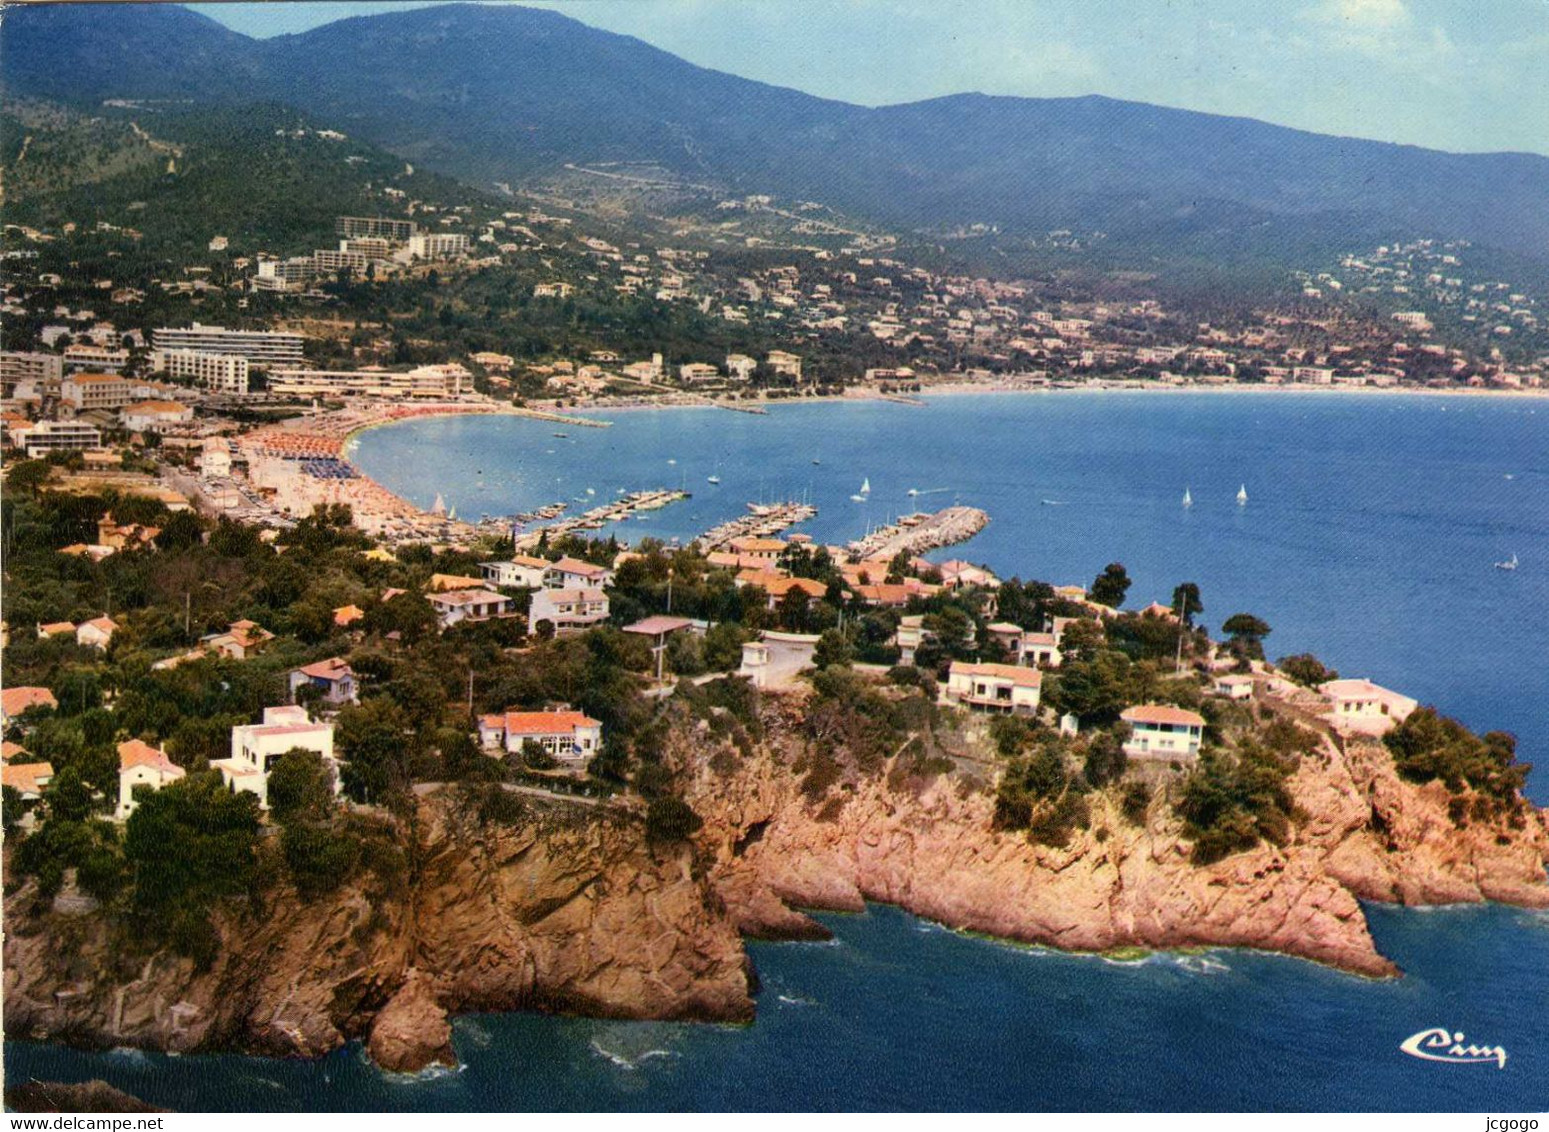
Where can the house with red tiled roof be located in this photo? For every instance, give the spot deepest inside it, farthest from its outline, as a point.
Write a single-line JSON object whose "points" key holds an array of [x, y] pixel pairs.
{"points": [[141, 765], [571, 737], [1161, 731], [572, 573], [14, 701], [333, 678], [48, 629], [347, 615], [1007, 688], [96, 633], [241, 640]]}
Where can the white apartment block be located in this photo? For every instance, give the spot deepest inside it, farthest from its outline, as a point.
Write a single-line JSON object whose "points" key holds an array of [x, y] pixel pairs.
{"points": [[219, 373], [438, 245], [284, 274], [16, 367], [421, 383], [99, 359], [259, 347], [86, 391], [378, 227], [325, 260], [56, 436]]}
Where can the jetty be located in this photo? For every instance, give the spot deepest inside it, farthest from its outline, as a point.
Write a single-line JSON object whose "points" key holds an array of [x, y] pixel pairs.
{"points": [[613, 511], [558, 418], [920, 532], [761, 521]]}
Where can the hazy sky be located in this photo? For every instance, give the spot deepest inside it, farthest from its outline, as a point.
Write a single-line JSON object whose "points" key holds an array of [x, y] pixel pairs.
{"points": [[1451, 74]]}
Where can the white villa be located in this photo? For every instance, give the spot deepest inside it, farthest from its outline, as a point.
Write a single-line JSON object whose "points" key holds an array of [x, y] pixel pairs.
{"points": [[569, 611], [1360, 705], [911, 634], [572, 737], [256, 747], [1160, 731], [571, 573], [1036, 650], [140, 764], [1234, 686], [994, 687], [96, 633], [456, 606], [519, 572]]}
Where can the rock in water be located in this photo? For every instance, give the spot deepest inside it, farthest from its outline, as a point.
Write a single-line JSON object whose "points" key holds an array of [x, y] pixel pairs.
{"points": [[412, 1033]]}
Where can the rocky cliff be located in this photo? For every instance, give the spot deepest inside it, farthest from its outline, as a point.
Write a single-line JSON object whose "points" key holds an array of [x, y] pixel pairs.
{"points": [[562, 906], [926, 844]]}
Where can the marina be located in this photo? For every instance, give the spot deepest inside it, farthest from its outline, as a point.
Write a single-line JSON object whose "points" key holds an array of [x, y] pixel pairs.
{"points": [[919, 532], [625, 507], [762, 520]]}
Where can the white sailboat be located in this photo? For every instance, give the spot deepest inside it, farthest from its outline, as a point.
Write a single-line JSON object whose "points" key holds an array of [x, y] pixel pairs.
{"points": [[1188, 500], [865, 492], [439, 506], [1509, 564], [1242, 496]]}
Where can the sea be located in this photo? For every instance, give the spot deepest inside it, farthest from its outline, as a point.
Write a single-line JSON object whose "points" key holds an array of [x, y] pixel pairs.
{"points": [[1370, 535]]}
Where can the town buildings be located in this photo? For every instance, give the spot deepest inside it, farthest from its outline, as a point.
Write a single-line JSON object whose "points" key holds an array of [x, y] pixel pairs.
{"points": [[456, 606], [518, 572], [43, 437]]}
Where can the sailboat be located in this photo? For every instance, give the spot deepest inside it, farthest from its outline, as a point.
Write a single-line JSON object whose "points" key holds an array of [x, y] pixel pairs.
{"points": [[865, 491], [1509, 564], [1242, 495], [1188, 500], [439, 506]]}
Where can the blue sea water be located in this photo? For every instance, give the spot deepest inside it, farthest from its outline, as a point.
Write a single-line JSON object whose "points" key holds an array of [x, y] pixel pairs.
{"points": [[898, 1014], [1369, 538]]}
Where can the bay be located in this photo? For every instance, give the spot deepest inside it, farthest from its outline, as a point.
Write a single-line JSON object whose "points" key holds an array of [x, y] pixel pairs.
{"points": [[1370, 534], [1369, 537]]}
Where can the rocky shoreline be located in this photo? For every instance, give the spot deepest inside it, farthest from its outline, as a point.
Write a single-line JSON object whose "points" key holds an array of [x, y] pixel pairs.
{"points": [[563, 908]]}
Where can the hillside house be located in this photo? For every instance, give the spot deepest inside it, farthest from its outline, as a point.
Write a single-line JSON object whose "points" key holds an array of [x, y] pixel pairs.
{"points": [[1359, 705], [1161, 731], [456, 606], [141, 765], [333, 680], [1007, 688], [571, 737], [256, 747], [569, 610]]}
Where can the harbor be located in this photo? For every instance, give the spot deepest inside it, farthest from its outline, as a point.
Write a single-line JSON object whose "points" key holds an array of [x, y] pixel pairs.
{"points": [[762, 520], [614, 511], [919, 532]]}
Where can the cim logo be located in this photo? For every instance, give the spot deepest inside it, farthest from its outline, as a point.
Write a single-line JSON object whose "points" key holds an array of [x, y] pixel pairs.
{"points": [[1440, 1044]]}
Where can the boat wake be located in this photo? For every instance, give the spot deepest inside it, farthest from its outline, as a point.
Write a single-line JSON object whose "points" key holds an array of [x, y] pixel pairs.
{"points": [[627, 1063]]}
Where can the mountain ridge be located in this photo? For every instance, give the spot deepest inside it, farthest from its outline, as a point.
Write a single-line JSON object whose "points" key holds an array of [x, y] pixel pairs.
{"points": [[505, 94]]}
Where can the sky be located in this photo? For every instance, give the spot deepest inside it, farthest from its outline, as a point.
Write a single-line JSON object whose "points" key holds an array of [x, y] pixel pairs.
{"points": [[1461, 75]]}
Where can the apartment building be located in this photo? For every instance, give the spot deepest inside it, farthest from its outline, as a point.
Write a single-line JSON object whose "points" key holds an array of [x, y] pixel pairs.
{"points": [[219, 373], [259, 347]]}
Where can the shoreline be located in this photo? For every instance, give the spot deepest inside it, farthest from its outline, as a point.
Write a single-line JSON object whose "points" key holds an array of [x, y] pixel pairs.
{"points": [[384, 418]]}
